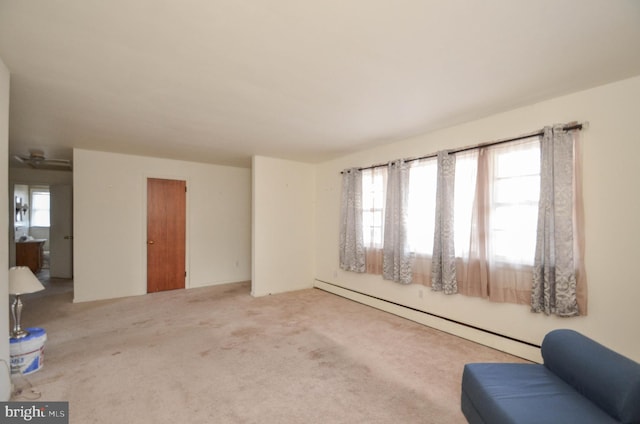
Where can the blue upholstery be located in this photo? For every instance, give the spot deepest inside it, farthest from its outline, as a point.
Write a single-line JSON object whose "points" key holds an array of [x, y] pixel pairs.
{"points": [[470, 412], [580, 382], [526, 394], [607, 378]]}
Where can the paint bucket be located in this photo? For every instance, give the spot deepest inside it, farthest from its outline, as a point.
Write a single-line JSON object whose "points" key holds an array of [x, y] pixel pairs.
{"points": [[27, 353]]}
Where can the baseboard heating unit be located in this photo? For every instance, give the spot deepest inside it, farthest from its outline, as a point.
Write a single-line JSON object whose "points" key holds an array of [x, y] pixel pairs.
{"points": [[484, 337]]}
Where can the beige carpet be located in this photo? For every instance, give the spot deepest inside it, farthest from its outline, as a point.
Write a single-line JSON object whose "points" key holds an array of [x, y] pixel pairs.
{"points": [[217, 355]]}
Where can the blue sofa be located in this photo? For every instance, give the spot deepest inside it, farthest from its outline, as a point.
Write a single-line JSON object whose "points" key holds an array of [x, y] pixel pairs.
{"points": [[581, 381]]}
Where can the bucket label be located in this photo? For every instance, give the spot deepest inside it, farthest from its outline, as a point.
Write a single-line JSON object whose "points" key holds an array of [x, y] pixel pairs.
{"points": [[27, 363], [27, 354], [34, 412]]}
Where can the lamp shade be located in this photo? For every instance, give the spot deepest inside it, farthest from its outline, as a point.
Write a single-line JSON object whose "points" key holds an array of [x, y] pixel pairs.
{"points": [[22, 281]]}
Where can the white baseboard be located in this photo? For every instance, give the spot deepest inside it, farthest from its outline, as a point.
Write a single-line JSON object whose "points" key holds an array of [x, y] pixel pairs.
{"points": [[486, 338]]}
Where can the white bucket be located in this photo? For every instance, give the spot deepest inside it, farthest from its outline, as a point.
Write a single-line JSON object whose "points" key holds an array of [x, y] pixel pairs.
{"points": [[27, 353]]}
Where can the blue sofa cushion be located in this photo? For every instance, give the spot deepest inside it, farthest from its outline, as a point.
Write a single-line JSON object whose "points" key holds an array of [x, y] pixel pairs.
{"points": [[523, 394], [607, 378], [470, 412]]}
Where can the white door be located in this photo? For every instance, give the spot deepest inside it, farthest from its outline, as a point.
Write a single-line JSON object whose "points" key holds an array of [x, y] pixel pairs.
{"points": [[61, 232]]}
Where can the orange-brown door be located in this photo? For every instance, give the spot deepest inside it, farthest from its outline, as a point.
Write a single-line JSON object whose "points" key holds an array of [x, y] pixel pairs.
{"points": [[166, 227]]}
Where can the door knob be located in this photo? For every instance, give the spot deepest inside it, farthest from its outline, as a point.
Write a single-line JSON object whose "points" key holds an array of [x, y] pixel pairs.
{"points": [[150, 242], [68, 237]]}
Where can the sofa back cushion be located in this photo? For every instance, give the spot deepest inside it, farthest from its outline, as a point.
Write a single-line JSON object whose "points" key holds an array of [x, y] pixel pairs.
{"points": [[605, 377]]}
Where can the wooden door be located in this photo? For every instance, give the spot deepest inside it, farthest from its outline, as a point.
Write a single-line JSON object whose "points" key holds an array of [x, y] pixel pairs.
{"points": [[61, 231], [166, 228]]}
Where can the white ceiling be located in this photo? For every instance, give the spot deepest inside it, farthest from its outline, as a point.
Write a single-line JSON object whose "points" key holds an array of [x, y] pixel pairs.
{"points": [[221, 80]]}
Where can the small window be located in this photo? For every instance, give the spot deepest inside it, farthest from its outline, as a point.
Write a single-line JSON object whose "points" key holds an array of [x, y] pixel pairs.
{"points": [[40, 207], [373, 186]]}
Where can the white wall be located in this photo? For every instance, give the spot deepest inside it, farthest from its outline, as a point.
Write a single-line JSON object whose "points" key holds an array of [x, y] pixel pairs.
{"points": [[110, 222], [611, 152], [283, 226], [5, 378]]}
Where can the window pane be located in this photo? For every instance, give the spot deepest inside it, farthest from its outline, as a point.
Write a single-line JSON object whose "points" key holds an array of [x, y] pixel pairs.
{"points": [[422, 206], [367, 220], [508, 246], [39, 208], [376, 236], [39, 218], [515, 194], [518, 218], [40, 201], [517, 189], [373, 181], [521, 159]]}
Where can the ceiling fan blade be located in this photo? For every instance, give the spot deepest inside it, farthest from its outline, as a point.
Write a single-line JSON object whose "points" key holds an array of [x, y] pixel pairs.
{"points": [[61, 162], [37, 160]]}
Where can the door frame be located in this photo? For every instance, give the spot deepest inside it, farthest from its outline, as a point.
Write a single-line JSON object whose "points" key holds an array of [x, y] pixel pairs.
{"points": [[37, 181], [143, 247], [53, 231]]}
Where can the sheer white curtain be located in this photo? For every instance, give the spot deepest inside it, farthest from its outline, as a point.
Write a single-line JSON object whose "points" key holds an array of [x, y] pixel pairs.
{"points": [[554, 288], [443, 265], [374, 188], [352, 253], [495, 247], [396, 265], [422, 216]]}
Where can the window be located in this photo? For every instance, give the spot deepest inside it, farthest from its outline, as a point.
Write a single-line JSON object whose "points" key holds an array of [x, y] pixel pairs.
{"points": [[514, 206], [40, 207], [489, 231], [509, 189], [373, 192], [422, 206]]}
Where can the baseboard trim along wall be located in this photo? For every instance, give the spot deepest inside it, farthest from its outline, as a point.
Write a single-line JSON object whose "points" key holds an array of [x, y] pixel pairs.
{"points": [[496, 341]]}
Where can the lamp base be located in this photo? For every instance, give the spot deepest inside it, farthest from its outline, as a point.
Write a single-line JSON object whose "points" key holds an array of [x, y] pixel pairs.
{"points": [[19, 334], [16, 311]]}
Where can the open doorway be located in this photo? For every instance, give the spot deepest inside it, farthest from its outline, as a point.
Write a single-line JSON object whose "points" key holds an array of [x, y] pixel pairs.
{"points": [[43, 237]]}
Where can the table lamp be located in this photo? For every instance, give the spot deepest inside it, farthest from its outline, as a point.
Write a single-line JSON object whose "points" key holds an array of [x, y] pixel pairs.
{"points": [[21, 281]]}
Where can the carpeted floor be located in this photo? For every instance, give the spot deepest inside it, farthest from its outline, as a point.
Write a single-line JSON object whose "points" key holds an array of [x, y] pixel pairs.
{"points": [[217, 355]]}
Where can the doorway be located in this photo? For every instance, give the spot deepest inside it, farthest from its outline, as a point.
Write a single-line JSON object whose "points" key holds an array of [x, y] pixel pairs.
{"points": [[166, 234], [43, 232]]}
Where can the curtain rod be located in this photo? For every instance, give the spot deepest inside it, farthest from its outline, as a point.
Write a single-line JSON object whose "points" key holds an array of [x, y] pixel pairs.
{"points": [[569, 127]]}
